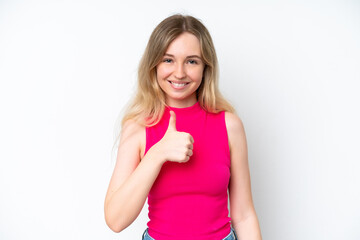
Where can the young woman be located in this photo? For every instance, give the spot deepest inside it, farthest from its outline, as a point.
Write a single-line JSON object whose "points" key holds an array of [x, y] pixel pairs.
{"points": [[182, 146]]}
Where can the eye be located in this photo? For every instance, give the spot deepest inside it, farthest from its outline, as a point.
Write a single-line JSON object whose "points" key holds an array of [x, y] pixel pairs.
{"points": [[192, 61], [167, 60]]}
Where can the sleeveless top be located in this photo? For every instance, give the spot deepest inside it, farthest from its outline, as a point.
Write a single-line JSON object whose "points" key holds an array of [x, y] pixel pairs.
{"points": [[190, 200]]}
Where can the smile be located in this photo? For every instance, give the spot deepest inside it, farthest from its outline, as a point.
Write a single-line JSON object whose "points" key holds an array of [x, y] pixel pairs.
{"points": [[178, 85]]}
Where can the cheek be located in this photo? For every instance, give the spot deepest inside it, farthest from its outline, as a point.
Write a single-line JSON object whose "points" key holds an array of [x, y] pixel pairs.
{"points": [[162, 72], [161, 76], [196, 74]]}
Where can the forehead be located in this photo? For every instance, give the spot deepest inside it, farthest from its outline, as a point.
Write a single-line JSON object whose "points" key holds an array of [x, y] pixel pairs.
{"points": [[185, 44]]}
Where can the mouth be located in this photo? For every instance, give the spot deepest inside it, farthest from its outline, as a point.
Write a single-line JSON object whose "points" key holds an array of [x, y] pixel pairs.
{"points": [[178, 85]]}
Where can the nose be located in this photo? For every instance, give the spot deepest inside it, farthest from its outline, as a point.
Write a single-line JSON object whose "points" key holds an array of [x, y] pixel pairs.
{"points": [[180, 71]]}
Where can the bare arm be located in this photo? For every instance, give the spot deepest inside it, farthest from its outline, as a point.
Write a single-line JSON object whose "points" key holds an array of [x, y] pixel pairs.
{"points": [[242, 211], [132, 179]]}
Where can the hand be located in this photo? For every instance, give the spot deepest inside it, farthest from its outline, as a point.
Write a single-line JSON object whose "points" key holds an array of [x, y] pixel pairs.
{"points": [[175, 146]]}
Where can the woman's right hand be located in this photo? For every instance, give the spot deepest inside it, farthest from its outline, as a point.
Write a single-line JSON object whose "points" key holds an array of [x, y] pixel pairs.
{"points": [[175, 146], [133, 177]]}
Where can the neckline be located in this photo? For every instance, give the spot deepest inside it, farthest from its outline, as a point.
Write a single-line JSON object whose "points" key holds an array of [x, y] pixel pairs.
{"points": [[192, 108]]}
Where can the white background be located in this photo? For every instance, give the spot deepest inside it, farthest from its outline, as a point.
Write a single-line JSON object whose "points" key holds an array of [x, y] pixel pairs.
{"points": [[291, 69]]}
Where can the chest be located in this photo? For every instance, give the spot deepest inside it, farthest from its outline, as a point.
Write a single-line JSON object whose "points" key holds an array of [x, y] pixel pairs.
{"points": [[208, 170]]}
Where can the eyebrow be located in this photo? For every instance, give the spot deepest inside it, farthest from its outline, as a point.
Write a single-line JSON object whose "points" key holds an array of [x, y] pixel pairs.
{"points": [[191, 56]]}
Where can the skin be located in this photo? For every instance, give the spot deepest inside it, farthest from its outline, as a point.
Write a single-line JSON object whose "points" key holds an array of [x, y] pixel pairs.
{"points": [[181, 64], [242, 211], [135, 173]]}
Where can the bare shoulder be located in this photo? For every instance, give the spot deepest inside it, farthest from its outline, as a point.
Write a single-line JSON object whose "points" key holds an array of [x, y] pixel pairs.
{"points": [[235, 130], [134, 133], [233, 123], [131, 127]]}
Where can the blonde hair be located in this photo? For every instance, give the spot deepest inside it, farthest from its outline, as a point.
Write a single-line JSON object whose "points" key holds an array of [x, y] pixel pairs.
{"points": [[147, 107]]}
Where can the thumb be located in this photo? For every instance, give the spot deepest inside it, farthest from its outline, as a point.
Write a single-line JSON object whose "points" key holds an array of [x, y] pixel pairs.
{"points": [[172, 121]]}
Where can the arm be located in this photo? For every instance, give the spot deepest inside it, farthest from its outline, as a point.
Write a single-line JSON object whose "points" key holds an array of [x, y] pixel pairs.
{"points": [[242, 211], [132, 179]]}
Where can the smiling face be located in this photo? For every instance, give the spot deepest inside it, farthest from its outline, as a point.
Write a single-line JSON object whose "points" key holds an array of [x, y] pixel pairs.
{"points": [[180, 72]]}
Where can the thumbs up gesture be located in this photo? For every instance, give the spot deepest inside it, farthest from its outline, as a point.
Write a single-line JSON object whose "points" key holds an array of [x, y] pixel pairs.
{"points": [[175, 146], [172, 122]]}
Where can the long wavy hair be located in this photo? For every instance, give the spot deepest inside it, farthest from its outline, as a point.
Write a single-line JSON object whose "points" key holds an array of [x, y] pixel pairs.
{"points": [[148, 104]]}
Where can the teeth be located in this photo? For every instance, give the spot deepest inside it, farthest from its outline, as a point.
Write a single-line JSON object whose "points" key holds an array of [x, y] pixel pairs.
{"points": [[178, 84]]}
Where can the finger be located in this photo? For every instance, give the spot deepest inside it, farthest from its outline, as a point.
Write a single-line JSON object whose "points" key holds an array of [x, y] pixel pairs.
{"points": [[191, 139], [189, 153], [172, 121]]}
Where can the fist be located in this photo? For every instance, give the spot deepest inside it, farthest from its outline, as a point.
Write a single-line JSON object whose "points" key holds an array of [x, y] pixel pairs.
{"points": [[176, 146]]}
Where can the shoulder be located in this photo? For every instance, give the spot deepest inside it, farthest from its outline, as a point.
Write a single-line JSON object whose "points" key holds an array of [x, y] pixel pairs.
{"points": [[235, 128], [133, 132], [233, 122], [131, 127]]}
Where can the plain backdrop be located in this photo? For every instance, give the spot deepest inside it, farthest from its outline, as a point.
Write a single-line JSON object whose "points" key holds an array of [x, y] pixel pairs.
{"points": [[68, 68]]}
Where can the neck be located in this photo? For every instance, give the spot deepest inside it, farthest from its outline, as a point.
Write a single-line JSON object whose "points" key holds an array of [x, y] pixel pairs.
{"points": [[181, 103]]}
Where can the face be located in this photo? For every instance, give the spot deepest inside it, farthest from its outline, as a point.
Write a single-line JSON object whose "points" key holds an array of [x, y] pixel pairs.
{"points": [[180, 72]]}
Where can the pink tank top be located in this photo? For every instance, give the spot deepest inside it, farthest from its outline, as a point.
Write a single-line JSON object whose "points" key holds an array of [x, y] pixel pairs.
{"points": [[189, 201]]}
